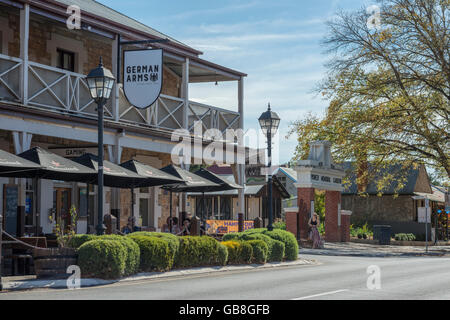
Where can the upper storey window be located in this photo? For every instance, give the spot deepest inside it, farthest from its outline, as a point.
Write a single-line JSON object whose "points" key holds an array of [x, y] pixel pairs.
{"points": [[66, 60]]}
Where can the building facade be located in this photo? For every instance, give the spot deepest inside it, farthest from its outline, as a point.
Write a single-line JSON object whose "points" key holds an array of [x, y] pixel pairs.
{"points": [[44, 101]]}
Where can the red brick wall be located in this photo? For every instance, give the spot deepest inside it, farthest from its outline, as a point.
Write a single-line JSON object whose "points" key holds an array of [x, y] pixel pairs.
{"points": [[305, 196], [291, 222], [332, 200]]}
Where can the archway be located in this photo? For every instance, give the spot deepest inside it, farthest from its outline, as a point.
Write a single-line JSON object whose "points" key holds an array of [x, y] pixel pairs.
{"points": [[319, 172]]}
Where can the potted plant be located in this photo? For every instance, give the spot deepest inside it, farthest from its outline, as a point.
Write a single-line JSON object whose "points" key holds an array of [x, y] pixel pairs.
{"points": [[53, 262]]}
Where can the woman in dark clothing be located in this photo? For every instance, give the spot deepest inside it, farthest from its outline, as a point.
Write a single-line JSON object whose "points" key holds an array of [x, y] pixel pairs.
{"points": [[314, 223]]}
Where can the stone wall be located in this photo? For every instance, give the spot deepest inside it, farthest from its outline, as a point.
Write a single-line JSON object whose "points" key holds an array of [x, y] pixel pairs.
{"points": [[374, 208], [47, 36]]}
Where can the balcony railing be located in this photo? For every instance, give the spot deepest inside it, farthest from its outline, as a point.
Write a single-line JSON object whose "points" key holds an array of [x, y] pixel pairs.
{"points": [[62, 91]]}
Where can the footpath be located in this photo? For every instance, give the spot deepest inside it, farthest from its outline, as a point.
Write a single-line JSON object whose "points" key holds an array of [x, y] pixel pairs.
{"points": [[30, 282], [374, 250]]}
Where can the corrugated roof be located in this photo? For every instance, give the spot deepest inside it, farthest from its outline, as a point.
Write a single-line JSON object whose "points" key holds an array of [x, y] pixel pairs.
{"points": [[106, 12], [251, 190], [411, 174], [289, 172]]}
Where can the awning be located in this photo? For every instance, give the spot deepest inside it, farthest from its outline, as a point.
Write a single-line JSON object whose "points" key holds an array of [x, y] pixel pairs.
{"points": [[154, 177], [224, 184], [192, 182], [54, 167], [11, 164], [114, 175]]}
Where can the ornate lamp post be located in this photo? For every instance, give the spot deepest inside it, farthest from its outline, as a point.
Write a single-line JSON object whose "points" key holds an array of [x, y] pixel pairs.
{"points": [[100, 82], [269, 122]]}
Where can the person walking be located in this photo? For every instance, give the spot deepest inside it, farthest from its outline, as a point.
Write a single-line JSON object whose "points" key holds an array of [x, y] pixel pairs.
{"points": [[314, 223]]}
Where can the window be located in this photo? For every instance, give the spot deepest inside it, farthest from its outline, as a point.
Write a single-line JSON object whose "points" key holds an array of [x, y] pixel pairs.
{"points": [[66, 60]]}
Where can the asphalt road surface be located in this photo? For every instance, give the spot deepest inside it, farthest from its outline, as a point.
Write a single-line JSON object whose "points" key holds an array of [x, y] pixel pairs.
{"points": [[334, 278]]}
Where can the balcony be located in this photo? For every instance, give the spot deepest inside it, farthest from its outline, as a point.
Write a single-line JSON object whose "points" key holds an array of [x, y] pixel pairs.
{"points": [[63, 92]]}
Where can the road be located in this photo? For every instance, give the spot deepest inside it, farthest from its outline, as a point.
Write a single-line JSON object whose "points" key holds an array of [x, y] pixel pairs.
{"points": [[334, 278]]}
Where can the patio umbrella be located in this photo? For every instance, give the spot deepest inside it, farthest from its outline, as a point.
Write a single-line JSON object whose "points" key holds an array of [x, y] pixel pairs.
{"points": [[115, 175], [12, 164], [223, 184], [192, 182], [54, 167], [154, 177]]}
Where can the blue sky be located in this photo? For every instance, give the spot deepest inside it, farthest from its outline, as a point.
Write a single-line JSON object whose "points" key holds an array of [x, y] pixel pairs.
{"points": [[277, 43]]}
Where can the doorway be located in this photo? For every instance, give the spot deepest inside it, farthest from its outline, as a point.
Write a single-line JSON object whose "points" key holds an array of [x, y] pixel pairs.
{"points": [[61, 206], [144, 203]]}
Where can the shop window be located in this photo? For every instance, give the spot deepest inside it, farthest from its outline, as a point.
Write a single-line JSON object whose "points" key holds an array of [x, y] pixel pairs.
{"points": [[66, 60]]}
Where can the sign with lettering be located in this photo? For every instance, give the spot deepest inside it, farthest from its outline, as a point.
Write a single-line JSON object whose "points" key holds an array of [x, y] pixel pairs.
{"points": [[142, 76], [225, 226]]}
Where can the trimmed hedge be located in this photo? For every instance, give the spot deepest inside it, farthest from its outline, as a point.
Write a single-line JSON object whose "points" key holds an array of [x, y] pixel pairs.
{"points": [[78, 239], [101, 258], [171, 239], [133, 252], [239, 252], [260, 251], [199, 251], [155, 253], [223, 255], [286, 237], [289, 240]]}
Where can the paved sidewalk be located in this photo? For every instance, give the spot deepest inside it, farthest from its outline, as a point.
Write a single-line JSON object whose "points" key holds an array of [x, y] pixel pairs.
{"points": [[373, 250], [30, 282]]}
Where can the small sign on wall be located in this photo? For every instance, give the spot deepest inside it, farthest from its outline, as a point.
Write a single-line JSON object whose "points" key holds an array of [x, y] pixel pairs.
{"points": [[423, 216]]}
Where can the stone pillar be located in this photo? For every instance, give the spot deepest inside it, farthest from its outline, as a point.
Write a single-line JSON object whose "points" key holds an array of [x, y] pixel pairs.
{"points": [[305, 203], [292, 221], [332, 207], [345, 225]]}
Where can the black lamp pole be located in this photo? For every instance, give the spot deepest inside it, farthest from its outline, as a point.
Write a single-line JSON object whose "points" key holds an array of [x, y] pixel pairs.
{"points": [[100, 82], [269, 180], [269, 122], [100, 169]]}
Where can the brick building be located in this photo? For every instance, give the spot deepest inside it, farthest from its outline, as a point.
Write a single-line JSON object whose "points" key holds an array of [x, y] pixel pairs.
{"points": [[44, 101]]}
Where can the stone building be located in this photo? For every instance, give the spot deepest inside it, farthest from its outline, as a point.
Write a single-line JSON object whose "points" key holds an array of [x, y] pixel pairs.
{"points": [[44, 101], [394, 204]]}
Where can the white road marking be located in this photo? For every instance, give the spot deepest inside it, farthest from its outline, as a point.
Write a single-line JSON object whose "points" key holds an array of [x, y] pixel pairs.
{"points": [[321, 294]]}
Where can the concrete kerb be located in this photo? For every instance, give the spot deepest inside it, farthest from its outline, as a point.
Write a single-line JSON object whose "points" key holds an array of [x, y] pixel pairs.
{"points": [[30, 284]]}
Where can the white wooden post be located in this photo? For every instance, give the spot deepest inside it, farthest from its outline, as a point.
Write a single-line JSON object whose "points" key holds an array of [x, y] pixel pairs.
{"points": [[24, 38], [185, 92], [241, 167], [115, 91]]}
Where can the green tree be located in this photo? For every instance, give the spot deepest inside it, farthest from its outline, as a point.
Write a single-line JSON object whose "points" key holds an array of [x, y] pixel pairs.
{"points": [[388, 87]]}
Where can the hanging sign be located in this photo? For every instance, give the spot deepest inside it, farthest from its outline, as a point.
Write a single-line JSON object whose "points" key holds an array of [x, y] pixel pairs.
{"points": [[142, 76]]}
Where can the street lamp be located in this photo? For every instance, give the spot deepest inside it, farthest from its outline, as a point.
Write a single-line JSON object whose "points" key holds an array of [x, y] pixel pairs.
{"points": [[100, 82], [269, 122]]}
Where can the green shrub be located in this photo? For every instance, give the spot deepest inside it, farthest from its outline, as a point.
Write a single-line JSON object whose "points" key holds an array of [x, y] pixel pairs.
{"points": [[172, 240], [155, 253], [278, 251], [289, 240], [198, 251], [239, 252], [103, 259], [223, 255], [279, 225], [259, 236], [260, 251], [405, 237], [78, 239], [133, 252], [232, 236]]}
